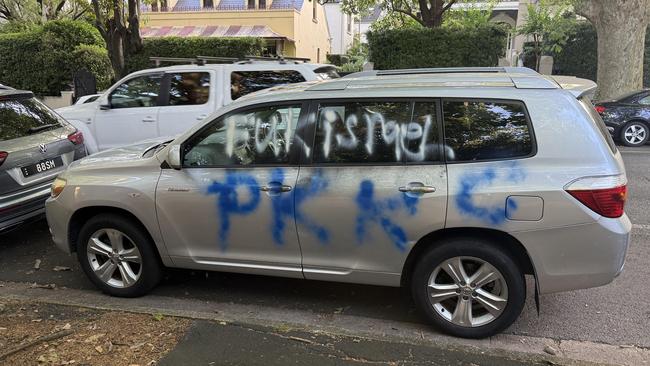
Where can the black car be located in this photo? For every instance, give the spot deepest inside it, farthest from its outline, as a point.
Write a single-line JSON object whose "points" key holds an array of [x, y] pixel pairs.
{"points": [[627, 117]]}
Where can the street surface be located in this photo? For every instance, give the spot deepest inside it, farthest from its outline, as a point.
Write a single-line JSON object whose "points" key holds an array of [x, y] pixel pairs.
{"points": [[616, 314]]}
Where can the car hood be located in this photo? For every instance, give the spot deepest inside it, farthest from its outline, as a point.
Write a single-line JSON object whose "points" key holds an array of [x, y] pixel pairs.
{"points": [[78, 111], [119, 156]]}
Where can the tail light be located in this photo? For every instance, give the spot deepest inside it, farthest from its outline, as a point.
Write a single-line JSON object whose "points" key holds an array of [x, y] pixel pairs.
{"points": [[604, 195], [600, 109], [76, 138], [3, 156]]}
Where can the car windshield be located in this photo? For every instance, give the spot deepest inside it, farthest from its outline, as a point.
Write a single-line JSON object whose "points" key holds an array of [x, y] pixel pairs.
{"points": [[25, 116]]}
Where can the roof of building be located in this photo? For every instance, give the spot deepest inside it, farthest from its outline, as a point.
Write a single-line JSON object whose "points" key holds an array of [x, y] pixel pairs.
{"points": [[374, 14], [262, 31]]}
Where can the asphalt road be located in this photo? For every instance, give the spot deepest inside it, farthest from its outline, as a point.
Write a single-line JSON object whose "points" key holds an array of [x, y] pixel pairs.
{"points": [[618, 313]]}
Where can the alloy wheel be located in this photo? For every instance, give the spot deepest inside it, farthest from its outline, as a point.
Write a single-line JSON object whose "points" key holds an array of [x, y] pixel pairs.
{"points": [[114, 258], [635, 134], [467, 291]]}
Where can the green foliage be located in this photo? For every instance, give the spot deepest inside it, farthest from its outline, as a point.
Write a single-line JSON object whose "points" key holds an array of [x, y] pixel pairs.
{"points": [[95, 59], [192, 47], [338, 60], [437, 47], [473, 15], [43, 59], [394, 20], [549, 27], [579, 56]]}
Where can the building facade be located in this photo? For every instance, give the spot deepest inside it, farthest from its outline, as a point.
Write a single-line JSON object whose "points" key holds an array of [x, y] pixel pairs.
{"points": [[341, 26], [292, 28]]}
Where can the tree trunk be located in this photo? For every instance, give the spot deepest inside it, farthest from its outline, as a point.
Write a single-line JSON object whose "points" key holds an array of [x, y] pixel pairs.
{"points": [[133, 38], [621, 27]]}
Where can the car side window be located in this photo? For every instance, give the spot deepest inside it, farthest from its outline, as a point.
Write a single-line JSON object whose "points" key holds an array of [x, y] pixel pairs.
{"points": [[645, 100], [376, 132], [246, 82], [141, 91], [486, 130], [189, 88], [256, 136]]}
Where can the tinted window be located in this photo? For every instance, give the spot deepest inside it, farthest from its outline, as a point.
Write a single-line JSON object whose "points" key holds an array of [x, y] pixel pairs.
{"points": [[189, 88], [259, 136], [327, 73], [375, 132], [141, 91], [23, 117], [246, 82], [645, 100], [483, 130]]}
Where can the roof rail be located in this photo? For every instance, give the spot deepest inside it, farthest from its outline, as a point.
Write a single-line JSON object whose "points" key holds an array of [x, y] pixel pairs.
{"points": [[444, 70], [202, 60]]}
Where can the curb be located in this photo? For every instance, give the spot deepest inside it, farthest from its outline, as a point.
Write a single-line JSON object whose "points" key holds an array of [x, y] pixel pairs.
{"points": [[519, 347]]}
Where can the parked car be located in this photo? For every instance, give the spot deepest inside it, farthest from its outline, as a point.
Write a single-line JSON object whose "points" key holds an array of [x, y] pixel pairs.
{"points": [[455, 185], [4, 87], [627, 117], [168, 100], [35, 146]]}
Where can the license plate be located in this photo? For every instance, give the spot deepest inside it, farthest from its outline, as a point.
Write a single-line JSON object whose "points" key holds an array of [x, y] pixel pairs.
{"points": [[42, 166]]}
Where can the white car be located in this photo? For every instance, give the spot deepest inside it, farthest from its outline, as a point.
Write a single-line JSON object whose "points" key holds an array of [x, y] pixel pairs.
{"points": [[169, 100]]}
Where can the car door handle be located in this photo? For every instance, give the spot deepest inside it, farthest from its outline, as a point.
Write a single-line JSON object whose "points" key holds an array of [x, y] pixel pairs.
{"points": [[201, 117], [417, 189], [274, 188], [148, 119]]}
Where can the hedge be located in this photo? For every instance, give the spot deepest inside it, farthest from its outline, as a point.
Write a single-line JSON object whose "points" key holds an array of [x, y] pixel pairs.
{"points": [[192, 47], [44, 59], [437, 47]]}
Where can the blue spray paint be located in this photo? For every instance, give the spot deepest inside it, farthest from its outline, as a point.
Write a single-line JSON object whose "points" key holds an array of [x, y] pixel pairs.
{"points": [[287, 207], [496, 214], [228, 200], [376, 211]]}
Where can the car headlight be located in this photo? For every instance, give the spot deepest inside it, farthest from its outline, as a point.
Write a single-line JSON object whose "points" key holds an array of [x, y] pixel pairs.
{"points": [[57, 187]]}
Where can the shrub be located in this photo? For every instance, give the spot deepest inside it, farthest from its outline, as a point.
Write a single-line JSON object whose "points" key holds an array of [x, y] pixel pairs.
{"points": [[44, 59], [438, 47], [579, 56], [192, 47]]}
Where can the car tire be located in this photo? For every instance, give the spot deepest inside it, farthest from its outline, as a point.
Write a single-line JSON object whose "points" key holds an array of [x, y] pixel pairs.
{"points": [[118, 256], [634, 133], [434, 294]]}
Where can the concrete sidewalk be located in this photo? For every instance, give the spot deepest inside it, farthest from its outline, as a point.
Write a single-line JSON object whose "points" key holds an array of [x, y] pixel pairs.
{"points": [[268, 328]]}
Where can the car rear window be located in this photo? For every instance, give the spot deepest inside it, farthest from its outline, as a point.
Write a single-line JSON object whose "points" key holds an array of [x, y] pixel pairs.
{"points": [[246, 82], [595, 117], [25, 116], [478, 130]]}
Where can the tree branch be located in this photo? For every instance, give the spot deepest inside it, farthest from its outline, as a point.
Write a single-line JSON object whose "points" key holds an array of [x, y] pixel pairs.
{"points": [[446, 7], [409, 14]]}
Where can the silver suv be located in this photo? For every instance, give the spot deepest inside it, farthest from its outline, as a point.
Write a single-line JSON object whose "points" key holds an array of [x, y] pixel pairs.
{"points": [[454, 183], [35, 145]]}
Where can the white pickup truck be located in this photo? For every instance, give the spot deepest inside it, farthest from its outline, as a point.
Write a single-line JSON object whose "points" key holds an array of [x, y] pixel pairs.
{"points": [[166, 101]]}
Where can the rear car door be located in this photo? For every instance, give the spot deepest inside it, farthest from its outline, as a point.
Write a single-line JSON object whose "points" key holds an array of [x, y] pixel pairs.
{"points": [[131, 114], [375, 185], [230, 206], [188, 98], [35, 146]]}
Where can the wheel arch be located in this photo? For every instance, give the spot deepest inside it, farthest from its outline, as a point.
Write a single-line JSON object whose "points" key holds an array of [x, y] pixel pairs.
{"points": [[498, 238], [82, 215]]}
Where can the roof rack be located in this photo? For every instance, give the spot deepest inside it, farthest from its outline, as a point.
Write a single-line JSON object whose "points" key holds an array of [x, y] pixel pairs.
{"points": [[445, 70], [203, 60]]}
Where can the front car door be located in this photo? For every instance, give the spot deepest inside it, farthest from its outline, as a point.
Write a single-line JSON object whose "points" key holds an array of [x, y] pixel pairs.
{"points": [[131, 114], [230, 207], [381, 186], [188, 98]]}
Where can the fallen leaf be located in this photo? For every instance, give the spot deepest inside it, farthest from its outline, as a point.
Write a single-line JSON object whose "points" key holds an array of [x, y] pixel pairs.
{"points": [[550, 350], [60, 268], [99, 349], [157, 317]]}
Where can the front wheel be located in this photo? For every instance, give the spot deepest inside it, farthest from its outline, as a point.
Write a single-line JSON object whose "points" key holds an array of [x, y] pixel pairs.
{"points": [[634, 134], [468, 288], [117, 256]]}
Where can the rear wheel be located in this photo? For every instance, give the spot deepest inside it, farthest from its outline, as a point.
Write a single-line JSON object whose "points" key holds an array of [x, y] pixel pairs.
{"points": [[634, 134], [118, 256], [468, 288]]}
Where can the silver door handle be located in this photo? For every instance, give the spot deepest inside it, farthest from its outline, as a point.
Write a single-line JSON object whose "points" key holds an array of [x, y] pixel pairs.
{"points": [[148, 119], [418, 189], [281, 188], [201, 117]]}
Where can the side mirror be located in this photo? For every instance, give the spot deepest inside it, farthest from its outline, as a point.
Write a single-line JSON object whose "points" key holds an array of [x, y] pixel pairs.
{"points": [[104, 107], [174, 157]]}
